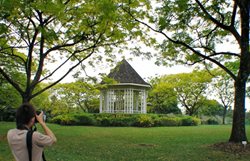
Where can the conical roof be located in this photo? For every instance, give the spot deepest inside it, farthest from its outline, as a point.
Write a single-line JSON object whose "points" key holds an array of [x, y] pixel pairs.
{"points": [[124, 73]]}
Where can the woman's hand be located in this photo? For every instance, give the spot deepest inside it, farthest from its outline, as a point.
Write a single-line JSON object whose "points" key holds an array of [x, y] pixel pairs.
{"points": [[39, 118], [45, 128]]}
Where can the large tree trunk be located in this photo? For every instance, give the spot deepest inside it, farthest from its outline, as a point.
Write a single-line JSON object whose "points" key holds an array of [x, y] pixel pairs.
{"points": [[26, 96], [238, 133]]}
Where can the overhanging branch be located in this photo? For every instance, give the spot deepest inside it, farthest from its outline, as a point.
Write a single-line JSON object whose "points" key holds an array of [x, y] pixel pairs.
{"points": [[57, 81], [230, 28], [185, 45], [15, 85]]}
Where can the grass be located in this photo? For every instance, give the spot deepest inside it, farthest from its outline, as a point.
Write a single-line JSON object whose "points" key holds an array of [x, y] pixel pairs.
{"points": [[82, 143]]}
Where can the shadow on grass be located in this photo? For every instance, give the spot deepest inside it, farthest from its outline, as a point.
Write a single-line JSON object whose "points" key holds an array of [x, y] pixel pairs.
{"points": [[232, 148]]}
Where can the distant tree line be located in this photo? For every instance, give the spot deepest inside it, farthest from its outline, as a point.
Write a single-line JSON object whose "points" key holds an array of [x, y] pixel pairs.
{"points": [[198, 93]]}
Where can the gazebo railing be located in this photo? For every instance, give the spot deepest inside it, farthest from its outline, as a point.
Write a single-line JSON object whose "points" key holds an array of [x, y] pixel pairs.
{"points": [[124, 111]]}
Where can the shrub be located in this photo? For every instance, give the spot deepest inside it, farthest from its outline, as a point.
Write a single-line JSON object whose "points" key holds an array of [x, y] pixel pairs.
{"points": [[123, 121], [66, 119], [190, 121], [169, 121], [84, 119], [144, 121], [73, 119], [114, 119], [105, 121], [7, 113], [212, 121], [140, 120], [56, 119], [196, 121]]}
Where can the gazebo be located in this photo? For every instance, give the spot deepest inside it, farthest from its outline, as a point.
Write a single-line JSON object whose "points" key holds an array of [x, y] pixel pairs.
{"points": [[127, 95]]}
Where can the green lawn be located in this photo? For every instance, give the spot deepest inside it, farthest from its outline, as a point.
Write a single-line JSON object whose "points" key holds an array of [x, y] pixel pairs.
{"points": [[81, 143]]}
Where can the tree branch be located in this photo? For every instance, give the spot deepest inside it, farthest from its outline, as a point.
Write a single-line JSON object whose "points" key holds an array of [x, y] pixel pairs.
{"points": [[230, 28], [187, 46], [234, 14], [73, 67], [221, 25], [14, 84]]}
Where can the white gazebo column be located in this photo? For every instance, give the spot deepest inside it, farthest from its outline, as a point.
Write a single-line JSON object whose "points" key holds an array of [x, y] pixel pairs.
{"points": [[131, 106], [101, 99], [108, 102], [112, 102], [137, 96], [143, 102], [126, 101]]}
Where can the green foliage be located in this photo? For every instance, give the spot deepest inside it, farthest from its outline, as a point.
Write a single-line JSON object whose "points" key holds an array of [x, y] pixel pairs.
{"points": [[8, 113], [121, 120], [9, 97], [248, 118], [42, 101], [84, 119], [191, 27], [74, 119], [144, 121], [205, 29], [213, 120], [162, 98], [211, 108], [190, 121], [114, 119], [77, 96], [248, 92], [36, 34], [169, 121], [189, 88], [64, 119]]}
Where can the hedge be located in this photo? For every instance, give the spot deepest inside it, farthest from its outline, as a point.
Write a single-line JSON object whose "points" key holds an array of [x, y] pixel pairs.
{"points": [[138, 120]]}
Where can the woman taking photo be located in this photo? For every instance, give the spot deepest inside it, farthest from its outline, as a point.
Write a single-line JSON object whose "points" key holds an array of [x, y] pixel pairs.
{"points": [[18, 137]]}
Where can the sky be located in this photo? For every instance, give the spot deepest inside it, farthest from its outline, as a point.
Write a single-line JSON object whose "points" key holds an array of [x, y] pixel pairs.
{"points": [[145, 68]]}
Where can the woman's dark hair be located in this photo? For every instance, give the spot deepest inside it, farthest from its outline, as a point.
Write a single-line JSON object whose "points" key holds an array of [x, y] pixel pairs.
{"points": [[24, 114]]}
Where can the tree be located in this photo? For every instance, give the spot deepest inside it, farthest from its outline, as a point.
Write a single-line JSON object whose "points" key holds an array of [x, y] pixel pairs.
{"points": [[211, 108], [36, 34], [162, 97], [194, 29], [9, 97], [9, 101], [78, 95], [223, 88], [190, 89]]}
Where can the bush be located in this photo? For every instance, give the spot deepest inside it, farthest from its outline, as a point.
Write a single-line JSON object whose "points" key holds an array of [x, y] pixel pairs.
{"points": [[139, 120], [114, 119], [84, 119], [190, 121], [169, 121], [211, 120], [7, 113], [144, 121], [66, 120], [105, 121], [73, 119]]}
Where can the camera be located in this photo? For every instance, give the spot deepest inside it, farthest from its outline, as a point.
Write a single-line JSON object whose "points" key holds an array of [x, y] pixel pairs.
{"points": [[44, 116]]}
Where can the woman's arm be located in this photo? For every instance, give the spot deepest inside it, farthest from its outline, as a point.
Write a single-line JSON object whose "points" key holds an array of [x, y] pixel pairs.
{"points": [[47, 131]]}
